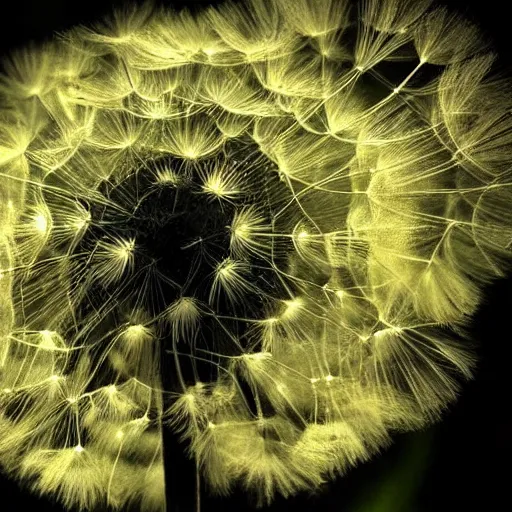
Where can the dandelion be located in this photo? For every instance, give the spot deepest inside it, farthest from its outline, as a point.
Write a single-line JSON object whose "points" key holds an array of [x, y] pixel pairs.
{"points": [[263, 228]]}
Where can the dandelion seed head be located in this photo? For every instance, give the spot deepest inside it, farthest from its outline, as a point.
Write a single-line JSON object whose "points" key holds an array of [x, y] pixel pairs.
{"points": [[263, 227]]}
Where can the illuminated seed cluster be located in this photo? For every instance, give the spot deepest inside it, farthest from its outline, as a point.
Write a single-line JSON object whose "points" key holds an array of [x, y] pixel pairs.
{"points": [[298, 201]]}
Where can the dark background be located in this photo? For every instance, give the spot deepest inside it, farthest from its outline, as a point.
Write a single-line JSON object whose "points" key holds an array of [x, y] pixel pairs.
{"points": [[461, 463]]}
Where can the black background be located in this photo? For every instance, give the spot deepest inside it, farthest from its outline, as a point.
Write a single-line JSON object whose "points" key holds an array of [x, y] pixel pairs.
{"points": [[461, 464]]}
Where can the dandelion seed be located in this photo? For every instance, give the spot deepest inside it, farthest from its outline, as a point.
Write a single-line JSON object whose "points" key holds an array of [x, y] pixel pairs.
{"points": [[292, 308], [137, 334], [41, 223], [222, 183], [231, 279], [248, 230], [113, 259], [183, 315]]}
